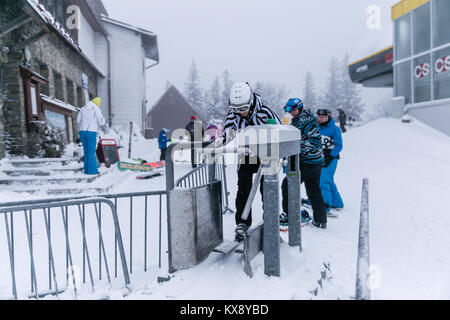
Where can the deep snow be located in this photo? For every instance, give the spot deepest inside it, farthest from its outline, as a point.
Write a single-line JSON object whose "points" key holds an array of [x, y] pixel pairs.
{"points": [[407, 165]]}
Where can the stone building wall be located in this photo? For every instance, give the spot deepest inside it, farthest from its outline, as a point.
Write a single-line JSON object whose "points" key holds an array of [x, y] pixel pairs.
{"points": [[54, 59]]}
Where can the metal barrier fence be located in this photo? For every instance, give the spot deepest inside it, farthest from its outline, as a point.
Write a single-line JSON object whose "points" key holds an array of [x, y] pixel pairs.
{"points": [[200, 176], [363, 263], [10, 212], [134, 238]]}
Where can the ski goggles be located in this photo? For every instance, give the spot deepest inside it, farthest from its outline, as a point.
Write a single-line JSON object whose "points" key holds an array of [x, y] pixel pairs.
{"points": [[241, 108], [323, 112]]}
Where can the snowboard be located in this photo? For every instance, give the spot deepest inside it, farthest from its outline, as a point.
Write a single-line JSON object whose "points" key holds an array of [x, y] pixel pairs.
{"points": [[134, 166], [149, 176]]}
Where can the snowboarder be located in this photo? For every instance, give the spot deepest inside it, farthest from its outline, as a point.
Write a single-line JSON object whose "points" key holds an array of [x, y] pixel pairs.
{"points": [[89, 119], [163, 139], [311, 162], [246, 109], [194, 128], [332, 146], [342, 120]]}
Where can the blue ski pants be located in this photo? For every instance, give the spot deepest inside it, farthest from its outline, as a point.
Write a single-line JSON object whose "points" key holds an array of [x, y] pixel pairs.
{"points": [[89, 141], [330, 193]]}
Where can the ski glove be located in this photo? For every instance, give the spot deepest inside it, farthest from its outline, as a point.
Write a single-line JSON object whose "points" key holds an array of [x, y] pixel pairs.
{"points": [[328, 159]]}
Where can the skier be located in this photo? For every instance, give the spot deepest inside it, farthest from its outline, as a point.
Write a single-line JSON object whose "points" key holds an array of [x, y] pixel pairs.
{"points": [[332, 146], [194, 128], [342, 119], [163, 139], [311, 161], [246, 109], [89, 119]]}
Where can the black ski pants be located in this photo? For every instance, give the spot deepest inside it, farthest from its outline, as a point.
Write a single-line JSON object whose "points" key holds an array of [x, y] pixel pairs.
{"points": [[245, 182], [310, 175], [163, 154]]}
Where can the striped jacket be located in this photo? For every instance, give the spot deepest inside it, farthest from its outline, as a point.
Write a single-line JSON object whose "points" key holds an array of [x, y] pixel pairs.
{"points": [[258, 115], [311, 144]]}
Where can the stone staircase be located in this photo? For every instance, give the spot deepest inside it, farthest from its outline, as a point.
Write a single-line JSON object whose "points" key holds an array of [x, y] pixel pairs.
{"points": [[51, 176]]}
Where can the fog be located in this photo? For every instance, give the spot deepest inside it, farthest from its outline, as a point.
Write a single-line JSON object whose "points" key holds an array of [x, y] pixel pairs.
{"points": [[256, 40]]}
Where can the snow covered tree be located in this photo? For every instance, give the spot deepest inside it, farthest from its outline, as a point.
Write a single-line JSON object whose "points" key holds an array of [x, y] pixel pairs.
{"points": [[214, 106], [331, 95], [192, 90], [226, 86], [349, 96], [310, 96], [273, 95]]}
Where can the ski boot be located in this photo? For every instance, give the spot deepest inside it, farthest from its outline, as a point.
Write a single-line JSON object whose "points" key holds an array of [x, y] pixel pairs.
{"points": [[331, 214], [284, 219], [322, 225], [240, 231], [306, 202], [305, 218]]}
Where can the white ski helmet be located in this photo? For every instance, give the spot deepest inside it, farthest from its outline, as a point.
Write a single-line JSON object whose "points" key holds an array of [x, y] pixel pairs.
{"points": [[241, 96]]}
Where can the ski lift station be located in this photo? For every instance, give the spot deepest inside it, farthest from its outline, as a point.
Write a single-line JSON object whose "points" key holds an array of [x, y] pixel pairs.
{"points": [[417, 66]]}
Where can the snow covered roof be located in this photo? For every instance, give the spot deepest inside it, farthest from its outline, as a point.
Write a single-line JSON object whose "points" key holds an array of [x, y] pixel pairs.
{"points": [[50, 21], [59, 103]]}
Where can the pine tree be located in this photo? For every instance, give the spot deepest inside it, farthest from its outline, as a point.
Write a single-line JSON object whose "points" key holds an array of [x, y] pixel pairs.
{"points": [[310, 97], [226, 86], [331, 96], [349, 96], [192, 90], [213, 105], [273, 95]]}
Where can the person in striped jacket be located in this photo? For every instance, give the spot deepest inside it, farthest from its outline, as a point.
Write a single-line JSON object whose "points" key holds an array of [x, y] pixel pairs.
{"points": [[311, 161], [246, 109]]}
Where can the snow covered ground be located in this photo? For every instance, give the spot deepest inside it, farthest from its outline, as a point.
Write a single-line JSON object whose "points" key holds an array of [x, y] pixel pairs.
{"points": [[407, 165]]}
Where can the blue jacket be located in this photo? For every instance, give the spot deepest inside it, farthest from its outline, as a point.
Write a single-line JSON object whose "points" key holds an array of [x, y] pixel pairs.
{"points": [[311, 144], [331, 138], [163, 139]]}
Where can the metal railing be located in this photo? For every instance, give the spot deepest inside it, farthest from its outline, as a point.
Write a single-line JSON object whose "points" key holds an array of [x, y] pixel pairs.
{"points": [[194, 178], [363, 262], [134, 239], [35, 247], [201, 176]]}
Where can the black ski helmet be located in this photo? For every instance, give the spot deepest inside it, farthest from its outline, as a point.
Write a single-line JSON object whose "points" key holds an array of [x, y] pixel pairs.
{"points": [[323, 112]]}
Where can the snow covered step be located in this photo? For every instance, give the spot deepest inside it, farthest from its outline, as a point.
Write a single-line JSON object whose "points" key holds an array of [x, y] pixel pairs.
{"points": [[22, 180], [56, 189], [40, 172], [40, 162]]}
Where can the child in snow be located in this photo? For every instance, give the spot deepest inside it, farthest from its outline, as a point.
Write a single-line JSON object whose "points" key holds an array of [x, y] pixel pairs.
{"points": [[163, 139]]}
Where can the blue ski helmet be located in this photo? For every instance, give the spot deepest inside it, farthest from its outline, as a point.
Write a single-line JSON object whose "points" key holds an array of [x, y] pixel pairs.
{"points": [[293, 103]]}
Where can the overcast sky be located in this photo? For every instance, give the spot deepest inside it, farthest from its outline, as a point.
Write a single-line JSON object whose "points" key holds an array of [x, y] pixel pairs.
{"points": [[255, 40]]}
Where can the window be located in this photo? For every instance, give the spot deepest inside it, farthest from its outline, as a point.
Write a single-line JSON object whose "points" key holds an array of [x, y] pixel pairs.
{"points": [[403, 37], [422, 79], [45, 89], [403, 81], [422, 28], [441, 66], [70, 92], [56, 120], [441, 22], [59, 88], [80, 97]]}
